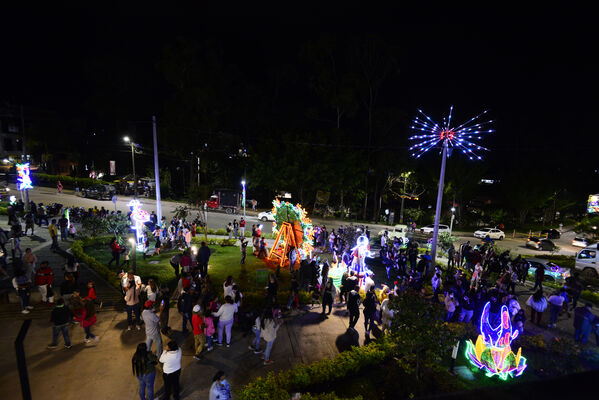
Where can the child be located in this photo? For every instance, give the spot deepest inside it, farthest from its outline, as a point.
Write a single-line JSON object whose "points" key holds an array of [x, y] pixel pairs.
{"points": [[72, 231], [315, 289], [91, 295], [209, 329], [126, 253], [157, 246]]}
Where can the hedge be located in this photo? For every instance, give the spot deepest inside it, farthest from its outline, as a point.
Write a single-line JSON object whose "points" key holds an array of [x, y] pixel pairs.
{"points": [[68, 182], [279, 386], [101, 269]]}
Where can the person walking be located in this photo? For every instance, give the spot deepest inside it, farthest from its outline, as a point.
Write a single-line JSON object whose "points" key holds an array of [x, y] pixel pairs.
{"points": [[53, 235], [556, 302], [171, 370], [132, 304], [116, 251], [330, 292], [243, 247], [67, 287], [235, 228], [87, 318], [185, 307], [539, 277], [353, 306], [29, 262], [59, 187], [271, 290], [144, 368], [370, 302], [63, 224], [152, 323], [225, 313], [203, 259], [537, 304], [268, 331], [242, 228], [220, 389], [229, 230], [199, 339], [29, 222], [22, 285], [175, 262], [583, 323], [43, 279], [60, 318]]}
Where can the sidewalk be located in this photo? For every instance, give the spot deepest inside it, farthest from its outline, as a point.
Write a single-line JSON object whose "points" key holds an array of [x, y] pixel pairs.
{"points": [[105, 368]]}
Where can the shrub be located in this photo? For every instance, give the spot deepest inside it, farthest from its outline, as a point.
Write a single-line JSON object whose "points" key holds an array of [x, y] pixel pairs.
{"points": [[68, 182], [101, 269], [302, 376]]}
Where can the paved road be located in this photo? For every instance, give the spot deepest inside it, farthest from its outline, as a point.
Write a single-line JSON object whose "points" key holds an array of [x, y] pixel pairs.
{"points": [[218, 220]]}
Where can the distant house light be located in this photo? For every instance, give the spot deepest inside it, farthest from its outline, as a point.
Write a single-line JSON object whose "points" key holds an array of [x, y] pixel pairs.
{"points": [[487, 181]]}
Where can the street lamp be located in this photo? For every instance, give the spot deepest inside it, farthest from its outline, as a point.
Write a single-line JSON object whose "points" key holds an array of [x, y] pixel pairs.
{"points": [[452, 218], [243, 197], [133, 251], [127, 140]]}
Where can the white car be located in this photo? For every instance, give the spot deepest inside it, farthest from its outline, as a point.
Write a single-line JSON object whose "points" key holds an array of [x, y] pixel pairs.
{"points": [[494, 233], [587, 261], [397, 231], [266, 216], [580, 242], [430, 228]]}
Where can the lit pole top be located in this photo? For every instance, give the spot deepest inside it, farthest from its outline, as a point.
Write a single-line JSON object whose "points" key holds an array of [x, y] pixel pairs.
{"points": [[462, 138]]}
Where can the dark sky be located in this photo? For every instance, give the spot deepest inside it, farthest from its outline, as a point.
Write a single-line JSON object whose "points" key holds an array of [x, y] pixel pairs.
{"points": [[534, 69]]}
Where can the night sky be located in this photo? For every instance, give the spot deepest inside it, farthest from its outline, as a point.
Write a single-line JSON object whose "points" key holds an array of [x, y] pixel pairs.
{"points": [[536, 71]]}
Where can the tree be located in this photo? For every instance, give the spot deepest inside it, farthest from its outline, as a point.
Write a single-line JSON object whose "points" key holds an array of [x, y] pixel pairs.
{"points": [[420, 333], [589, 225]]}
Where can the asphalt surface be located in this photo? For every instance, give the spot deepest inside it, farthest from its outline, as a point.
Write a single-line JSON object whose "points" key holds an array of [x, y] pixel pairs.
{"points": [[217, 219]]}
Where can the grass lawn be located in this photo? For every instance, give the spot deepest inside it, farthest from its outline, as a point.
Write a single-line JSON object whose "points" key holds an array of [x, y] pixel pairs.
{"points": [[224, 261]]}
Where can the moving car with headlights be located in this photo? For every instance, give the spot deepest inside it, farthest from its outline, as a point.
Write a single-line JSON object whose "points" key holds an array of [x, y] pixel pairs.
{"points": [[580, 242], [553, 272], [100, 192], [588, 262], [430, 228], [266, 216], [540, 244], [494, 233]]}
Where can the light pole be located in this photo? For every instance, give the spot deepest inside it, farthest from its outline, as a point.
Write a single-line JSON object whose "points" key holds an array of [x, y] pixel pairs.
{"points": [[156, 173], [461, 138], [243, 197], [127, 140], [452, 218], [133, 251]]}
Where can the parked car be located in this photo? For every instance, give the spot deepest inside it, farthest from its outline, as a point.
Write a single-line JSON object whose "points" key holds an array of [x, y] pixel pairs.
{"points": [[551, 233], [493, 233], [580, 242], [540, 243], [430, 228], [100, 192], [553, 272], [587, 262], [266, 216], [398, 231]]}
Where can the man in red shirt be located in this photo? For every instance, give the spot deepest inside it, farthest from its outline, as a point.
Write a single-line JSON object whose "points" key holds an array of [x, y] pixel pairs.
{"points": [[198, 331], [242, 227], [43, 279]]}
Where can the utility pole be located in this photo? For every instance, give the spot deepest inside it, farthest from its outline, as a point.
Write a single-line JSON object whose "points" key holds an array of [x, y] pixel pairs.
{"points": [[157, 172], [403, 198], [439, 204], [134, 175]]}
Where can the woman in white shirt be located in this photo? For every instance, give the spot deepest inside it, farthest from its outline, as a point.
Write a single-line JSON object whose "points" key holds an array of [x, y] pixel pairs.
{"points": [[171, 369], [225, 313], [228, 287], [151, 290], [268, 331]]}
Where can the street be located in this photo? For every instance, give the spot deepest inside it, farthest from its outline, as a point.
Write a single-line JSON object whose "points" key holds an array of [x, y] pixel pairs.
{"points": [[219, 220]]}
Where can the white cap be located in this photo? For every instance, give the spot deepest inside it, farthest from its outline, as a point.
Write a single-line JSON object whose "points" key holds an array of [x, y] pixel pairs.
{"points": [[196, 308]]}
